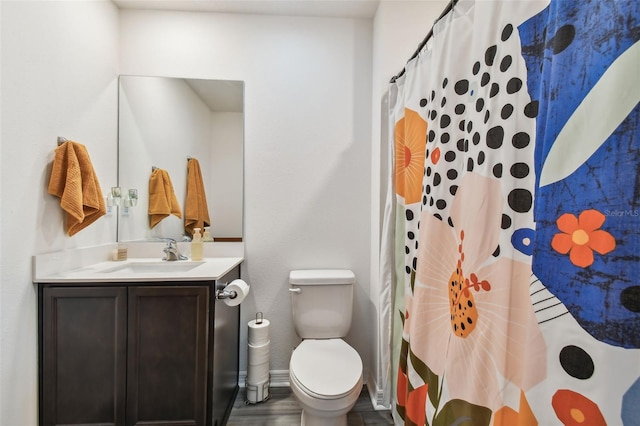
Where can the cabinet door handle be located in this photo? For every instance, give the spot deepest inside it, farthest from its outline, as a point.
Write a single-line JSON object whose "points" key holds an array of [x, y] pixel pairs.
{"points": [[295, 290]]}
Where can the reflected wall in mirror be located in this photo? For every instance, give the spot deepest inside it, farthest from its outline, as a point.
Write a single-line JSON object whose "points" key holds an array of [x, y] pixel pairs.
{"points": [[163, 122]]}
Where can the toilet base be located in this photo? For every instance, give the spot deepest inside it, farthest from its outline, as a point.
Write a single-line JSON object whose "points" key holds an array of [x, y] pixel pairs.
{"points": [[324, 412], [311, 420]]}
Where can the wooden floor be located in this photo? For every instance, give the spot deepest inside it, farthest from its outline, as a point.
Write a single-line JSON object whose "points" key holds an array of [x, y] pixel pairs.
{"points": [[282, 409]]}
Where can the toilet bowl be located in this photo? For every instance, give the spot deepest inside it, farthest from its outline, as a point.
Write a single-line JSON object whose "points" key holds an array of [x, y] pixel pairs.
{"points": [[326, 379]]}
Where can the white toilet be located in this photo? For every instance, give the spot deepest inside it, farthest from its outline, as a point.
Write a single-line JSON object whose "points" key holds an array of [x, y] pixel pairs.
{"points": [[325, 373]]}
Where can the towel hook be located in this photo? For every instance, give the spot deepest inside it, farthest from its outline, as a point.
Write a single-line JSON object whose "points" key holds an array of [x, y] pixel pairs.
{"points": [[154, 168], [62, 140]]}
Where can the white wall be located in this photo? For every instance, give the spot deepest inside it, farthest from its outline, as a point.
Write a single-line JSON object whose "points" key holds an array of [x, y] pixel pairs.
{"points": [[59, 71], [307, 143]]}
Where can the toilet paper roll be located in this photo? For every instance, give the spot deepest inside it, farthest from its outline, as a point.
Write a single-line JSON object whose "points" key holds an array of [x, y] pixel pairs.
{"points": [[257, 373], [258, 332], [258, 354], [241, 288]]}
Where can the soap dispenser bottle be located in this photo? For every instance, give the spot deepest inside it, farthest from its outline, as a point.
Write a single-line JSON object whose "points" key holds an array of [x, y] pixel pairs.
{"points": [[196, 245], [206, 236]]}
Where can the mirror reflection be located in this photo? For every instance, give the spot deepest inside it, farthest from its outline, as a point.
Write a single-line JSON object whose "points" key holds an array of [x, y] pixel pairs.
{"points": [[163, 123]]}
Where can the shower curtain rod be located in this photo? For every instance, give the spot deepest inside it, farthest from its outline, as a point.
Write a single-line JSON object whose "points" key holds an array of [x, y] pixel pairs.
{"points": [[447, 9]]}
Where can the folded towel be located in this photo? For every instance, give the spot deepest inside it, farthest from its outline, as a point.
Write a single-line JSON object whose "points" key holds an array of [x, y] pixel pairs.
{"points": [[74, 181], [162, 198], [196, 212]]}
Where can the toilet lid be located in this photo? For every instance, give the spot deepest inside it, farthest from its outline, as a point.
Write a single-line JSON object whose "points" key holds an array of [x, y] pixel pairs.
{"points": [[328, 367]]}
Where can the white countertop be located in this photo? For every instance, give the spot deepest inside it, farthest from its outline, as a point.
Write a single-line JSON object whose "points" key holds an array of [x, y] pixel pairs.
{"points": [[147, 270], [89, 266]]}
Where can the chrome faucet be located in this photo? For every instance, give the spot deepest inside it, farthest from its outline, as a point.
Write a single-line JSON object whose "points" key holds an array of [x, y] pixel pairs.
{"points": [[171, 252]]}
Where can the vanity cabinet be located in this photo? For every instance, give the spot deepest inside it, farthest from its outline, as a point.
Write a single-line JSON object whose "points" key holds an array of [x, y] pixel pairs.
{"points": [[83, 355], [137, 353], [167, 354]]}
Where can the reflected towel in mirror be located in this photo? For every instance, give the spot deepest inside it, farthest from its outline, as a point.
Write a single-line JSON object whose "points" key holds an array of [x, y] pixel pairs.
{"points": [[74, 181], [196, 212], [162, 198]]}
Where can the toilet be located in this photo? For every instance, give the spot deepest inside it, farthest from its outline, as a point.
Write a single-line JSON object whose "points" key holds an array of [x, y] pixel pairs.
{"points": [[325, 373]]}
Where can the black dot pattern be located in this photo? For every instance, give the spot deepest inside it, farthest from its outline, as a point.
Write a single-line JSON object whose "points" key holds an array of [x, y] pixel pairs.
{"points": [[514, 85], [521, 140], [462, 87], [481, 121], [495, 89], [630, 298], [495, 136], [505, 63], [506, 111], [506, 32], [531, 109], [563, 38], [576, 362], [520, 200], [490, 55]]}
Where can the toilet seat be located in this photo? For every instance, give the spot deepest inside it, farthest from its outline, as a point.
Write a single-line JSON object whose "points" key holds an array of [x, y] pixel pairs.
{"points": [[326, 369]]}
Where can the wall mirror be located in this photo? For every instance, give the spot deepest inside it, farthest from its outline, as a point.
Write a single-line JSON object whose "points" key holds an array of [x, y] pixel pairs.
{"points": [[162, 122]]}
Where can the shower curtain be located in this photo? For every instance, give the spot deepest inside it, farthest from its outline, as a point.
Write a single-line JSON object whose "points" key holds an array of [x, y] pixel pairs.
{"points": [[517, 229]]}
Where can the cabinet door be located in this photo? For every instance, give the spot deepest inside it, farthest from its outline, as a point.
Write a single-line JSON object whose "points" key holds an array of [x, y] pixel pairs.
{"points": [[83, 355], [167, 355]]}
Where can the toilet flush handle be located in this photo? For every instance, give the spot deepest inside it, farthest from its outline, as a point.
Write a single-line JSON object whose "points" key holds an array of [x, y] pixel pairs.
{"points": [[295, 290]]}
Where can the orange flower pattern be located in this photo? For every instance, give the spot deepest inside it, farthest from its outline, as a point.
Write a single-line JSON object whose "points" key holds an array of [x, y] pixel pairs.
{"points": [[574, 409], [410, 143], [581, 236], [416, 401], [507, 416]]}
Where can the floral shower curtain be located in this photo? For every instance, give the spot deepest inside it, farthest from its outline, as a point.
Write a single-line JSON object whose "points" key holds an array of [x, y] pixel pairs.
{"points": [[517, 231]]}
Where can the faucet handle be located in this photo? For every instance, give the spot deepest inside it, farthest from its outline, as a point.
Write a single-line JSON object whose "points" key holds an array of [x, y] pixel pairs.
{"points": [[171, 250], [171, 243]]}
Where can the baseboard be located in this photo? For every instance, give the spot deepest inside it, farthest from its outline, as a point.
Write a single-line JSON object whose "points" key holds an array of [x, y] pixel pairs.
{"points": [[277, 378]]}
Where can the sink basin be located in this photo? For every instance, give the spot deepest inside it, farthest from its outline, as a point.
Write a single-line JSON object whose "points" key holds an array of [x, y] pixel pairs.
{"points": [[154, 267]]}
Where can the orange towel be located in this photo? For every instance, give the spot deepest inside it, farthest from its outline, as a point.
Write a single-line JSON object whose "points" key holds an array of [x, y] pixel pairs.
{"points": [[196, 212], [162, 198], [74, 181]]}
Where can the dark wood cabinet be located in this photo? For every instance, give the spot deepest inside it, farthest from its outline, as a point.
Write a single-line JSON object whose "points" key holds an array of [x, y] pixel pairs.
{"points": [[83, 355], [225, 324], [167, 354], [137, 353]]}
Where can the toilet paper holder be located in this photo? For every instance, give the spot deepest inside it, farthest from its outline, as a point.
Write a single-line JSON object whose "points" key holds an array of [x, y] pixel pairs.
{"points": [[226, 294]]}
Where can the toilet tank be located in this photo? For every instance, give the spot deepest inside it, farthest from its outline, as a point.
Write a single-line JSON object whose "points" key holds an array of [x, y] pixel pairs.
{"points": [[321, 302]]}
